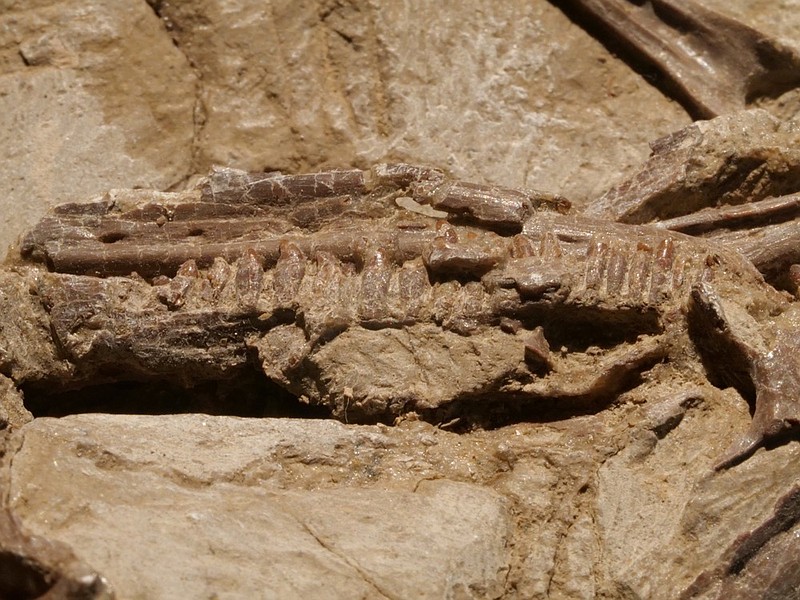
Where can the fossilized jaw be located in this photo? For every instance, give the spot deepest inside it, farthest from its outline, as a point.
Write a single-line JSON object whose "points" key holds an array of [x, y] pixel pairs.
{"points": [[238, 212], [383, 310], [732, 179]]}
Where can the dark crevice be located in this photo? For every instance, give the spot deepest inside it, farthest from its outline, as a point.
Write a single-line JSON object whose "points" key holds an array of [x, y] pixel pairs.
{"points": [[246, 395], [35, 567], [724, 358], [251, 395], [112, 237], [486, 412], [21, 578], [586, 326]]}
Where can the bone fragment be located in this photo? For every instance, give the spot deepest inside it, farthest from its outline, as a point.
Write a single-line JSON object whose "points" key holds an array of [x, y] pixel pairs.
{"points": [[711, 63]]}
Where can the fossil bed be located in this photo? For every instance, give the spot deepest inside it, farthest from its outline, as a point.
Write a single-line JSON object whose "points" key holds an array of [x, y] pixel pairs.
{"points": [[619, 502]]}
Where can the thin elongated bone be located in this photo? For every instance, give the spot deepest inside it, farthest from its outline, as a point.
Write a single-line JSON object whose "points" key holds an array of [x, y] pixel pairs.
{"points": [[734, 159], [712, 63], [766, 232], [772, 249], [730, 218], [238, 211]]}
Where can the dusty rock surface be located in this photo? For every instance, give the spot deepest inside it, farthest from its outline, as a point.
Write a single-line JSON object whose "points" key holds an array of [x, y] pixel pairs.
{"points": [[623, 503], [91, 97], [615, 503], [484, 93], [289, 508], [490, 95]]}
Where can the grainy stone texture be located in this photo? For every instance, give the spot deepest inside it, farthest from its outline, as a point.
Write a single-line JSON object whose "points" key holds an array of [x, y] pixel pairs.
{"points": [[13, 413], [585, 507], [780, 19], [488, 93], [91, 97], [619, 504], [259, 508]]}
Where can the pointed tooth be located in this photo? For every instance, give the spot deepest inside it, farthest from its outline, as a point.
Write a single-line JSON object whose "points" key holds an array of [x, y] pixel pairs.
{"points": [[596, 262], [375, 279], [289, 272], [537, 350], [249, 279], [550, 247], [617, 269], [188, 269], [661, 280], [521, 246], [639, 272]]}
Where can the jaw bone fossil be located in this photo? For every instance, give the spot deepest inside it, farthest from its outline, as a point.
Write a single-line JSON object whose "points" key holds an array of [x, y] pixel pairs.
{"points": [[391, 290], [712, 63]]}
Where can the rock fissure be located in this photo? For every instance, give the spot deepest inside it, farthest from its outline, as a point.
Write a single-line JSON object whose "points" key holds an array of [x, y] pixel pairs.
{"points": [[346, 560]]}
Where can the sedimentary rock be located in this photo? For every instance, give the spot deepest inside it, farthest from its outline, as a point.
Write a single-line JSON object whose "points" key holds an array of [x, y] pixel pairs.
{"points": [[33, 566], [735, 159], [616, 499], [219, 518], [89, 100]]}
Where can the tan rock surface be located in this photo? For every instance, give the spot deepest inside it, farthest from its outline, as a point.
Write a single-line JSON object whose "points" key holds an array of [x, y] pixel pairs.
{"points": [[193, 506], [585, 507], [618, 504], [91, 97], [487, 93], [762, 15]]}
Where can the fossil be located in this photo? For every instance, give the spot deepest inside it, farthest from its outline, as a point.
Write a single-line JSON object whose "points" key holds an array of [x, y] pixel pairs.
{"points": [[738, 158], [381, 292], [711, 63], [733, 178]]}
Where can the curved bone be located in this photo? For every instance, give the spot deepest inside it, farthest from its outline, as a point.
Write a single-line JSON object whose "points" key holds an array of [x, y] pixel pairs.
{"points": [[774, 372], [713, 64]]}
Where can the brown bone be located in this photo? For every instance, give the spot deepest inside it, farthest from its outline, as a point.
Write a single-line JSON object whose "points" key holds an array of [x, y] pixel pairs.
{"points": [[712, 63]]}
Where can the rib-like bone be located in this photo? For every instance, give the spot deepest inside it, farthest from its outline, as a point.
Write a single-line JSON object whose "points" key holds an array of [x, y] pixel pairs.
{"points": [[713, 64], [774, 249], [766, 232], [714, 221]]}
